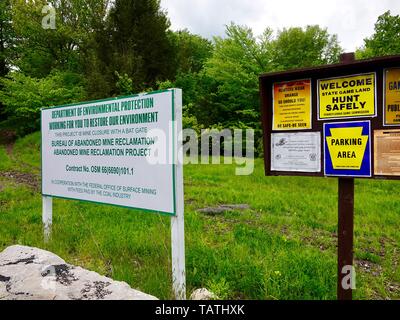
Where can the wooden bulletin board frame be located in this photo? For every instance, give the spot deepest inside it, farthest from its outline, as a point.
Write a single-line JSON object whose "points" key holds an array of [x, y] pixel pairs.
{"points": [[345, 69]]}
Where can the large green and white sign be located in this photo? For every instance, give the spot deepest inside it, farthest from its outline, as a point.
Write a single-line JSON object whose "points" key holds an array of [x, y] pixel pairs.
{"points": [[119, 151]]}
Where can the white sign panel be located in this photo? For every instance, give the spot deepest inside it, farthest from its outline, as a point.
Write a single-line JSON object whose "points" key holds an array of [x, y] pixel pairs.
{"points": [[119, 151], [298, 152]]}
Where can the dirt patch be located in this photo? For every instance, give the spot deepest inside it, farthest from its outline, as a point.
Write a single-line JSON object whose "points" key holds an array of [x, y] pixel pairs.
{"points": [[28, 179], [190, 201], [7, 137], [220, 224], [9, 149], [224, 208], [369, 267], [393, 287], [378, 252], [324, 240]]}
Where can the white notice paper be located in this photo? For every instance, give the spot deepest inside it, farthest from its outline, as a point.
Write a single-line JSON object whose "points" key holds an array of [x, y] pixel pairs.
{"points": [[298, 152]]}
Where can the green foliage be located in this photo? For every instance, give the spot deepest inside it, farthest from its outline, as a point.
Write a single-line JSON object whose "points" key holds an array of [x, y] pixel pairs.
{"points": [[220, 288], [7, 37], [297, 48], [231, 77], [386, 39], [238, 58], [42, 50], [192, 51], [139, 41], [124, 84], [7, 42], [189, 121], [24, 96], [164, 85], [133, 40]]}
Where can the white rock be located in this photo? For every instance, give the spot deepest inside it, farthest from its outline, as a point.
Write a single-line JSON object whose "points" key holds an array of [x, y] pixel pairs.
{"points": [[33, 274], [203, 294]]}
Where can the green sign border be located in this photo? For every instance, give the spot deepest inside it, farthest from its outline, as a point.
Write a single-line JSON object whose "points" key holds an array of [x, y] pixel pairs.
{"points": [[111, 99]]}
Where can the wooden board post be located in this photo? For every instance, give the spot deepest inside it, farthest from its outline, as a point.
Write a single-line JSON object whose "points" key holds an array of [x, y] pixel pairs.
{"points": [[178, 221], [47, 216], [345, 225], [178, 256], [345, 238]]}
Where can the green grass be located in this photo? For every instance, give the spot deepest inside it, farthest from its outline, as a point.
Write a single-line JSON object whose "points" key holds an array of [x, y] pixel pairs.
{"points": [[283, 248], [5, 162], [28, 149]]}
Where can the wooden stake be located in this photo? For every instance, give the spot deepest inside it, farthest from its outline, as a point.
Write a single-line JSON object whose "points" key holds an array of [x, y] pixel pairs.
{"points": [[345, 226]]}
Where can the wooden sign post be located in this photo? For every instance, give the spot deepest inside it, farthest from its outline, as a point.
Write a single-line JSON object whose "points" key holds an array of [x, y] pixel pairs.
{"points": [[345, 222], [345, 235], [340, 121]]}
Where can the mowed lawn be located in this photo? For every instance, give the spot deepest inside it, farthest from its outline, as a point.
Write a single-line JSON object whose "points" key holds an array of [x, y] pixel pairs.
{"points": [[284, 247]]}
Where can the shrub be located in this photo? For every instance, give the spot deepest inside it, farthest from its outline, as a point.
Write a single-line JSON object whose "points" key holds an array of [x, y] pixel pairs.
{"points": [[24, 96]]}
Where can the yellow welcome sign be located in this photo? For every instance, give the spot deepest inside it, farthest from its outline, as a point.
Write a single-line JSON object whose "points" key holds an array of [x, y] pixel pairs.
{"points": [[347, 97]]}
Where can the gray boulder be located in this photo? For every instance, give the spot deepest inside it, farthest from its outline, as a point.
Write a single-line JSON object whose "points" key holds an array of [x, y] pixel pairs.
{"points": [[203, 294], [33, 274]]}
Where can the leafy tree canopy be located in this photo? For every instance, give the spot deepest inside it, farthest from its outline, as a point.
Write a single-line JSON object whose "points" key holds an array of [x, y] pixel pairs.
{"points": [[24, 96], [297, 47], [7, 37], [386, 39]]}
